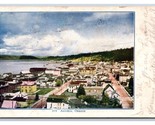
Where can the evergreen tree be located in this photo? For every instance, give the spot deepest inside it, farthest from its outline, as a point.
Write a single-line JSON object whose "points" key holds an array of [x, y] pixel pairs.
{"points": [[109, 102], [59, 82], [131, 86], [105, 99], [37, 97], [81, 91]]}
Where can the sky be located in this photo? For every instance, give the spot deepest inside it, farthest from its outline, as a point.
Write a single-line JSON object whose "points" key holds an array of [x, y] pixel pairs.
{"points": [[64, 33]]}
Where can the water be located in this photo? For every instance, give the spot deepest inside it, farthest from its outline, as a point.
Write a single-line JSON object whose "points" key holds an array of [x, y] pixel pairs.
{"points": [[16, 66]]}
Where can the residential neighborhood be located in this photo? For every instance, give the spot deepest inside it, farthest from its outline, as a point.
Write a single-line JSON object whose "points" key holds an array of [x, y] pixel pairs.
{"points": [[70, 85]]}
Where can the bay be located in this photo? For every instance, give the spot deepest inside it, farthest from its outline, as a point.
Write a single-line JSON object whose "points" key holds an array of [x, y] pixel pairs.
{"points": [[16, 66]]}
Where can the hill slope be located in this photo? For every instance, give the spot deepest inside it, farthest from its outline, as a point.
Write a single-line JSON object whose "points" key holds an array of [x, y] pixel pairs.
{"points": [[115, 55]]}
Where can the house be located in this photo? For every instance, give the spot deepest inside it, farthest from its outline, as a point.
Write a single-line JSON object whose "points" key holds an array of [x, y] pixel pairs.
{"points": [[27, 75], [16, 96], [7, 76], [132, 72], [100, 83], [55, 72], [123, 78], [42, 81], [9, 86], [4, 87], [13, 84], [116, 70], [125, 71], [109, 90], [70, 65], [75, 84], [64, 69], [73, 70], [42, 85], [72, 89], [91, 82], [28, 87], [107, 80], [78, 82], [16, 76], [9, 104], [53, 84], [57, 103], [24, 72], [37, 70], [94, 91], [21, 99], [87, 70], [103, 78]]}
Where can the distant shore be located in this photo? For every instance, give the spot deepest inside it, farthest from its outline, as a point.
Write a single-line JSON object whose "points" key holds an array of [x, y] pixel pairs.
{"points": [[114, 55]]}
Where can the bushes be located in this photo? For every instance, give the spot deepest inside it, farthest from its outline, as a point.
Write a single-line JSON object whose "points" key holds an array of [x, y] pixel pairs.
{"points": [[89, 99]]}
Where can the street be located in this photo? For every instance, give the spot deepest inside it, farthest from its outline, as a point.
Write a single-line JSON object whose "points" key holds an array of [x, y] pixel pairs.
{"points": [[125, 98], [57, 91]]}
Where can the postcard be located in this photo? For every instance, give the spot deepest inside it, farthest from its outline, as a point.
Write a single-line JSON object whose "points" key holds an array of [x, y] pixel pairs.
{"points": [[77, 62]]}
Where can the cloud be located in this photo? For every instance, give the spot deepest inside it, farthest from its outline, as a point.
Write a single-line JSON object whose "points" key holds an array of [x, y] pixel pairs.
{"points": [[63, 43], [52, 34], [105, 16], [3, 51]]}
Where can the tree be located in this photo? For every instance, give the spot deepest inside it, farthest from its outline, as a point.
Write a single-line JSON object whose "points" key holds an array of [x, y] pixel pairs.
{"points": [[37, 97], [105, 99], [89, 99], [115, 103], [117, 77], [59, 82], [81, 91], [109, 102], [131, 87]]}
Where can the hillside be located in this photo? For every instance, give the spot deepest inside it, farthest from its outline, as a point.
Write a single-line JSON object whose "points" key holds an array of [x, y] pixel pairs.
{"points": [[115, 55], [9, 57], [28, 57], [12, 57]]}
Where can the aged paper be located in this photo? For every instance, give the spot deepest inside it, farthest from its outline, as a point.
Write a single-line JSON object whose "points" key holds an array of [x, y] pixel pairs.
{"points": [[144, 85]]}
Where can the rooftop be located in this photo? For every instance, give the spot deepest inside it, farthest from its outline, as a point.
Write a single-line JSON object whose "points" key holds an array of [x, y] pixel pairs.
{"points": [[28, 83], [9, 104]]}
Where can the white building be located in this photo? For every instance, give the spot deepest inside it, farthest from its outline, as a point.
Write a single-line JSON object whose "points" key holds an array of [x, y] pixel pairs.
{"points": [[55, 72], [124, 78], [111, 92], [57, 103], [72, 89]]}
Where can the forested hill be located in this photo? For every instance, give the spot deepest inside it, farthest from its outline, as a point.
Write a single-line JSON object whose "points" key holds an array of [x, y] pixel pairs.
{"points": [[115, 55], [12, 57]]}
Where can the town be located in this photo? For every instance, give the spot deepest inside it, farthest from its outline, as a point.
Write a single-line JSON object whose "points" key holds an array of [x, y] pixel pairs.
{"points": [[71, 85]]}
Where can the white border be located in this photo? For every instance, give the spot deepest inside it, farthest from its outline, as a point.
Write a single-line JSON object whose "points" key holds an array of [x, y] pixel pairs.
{"points": [[79, 2]]}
